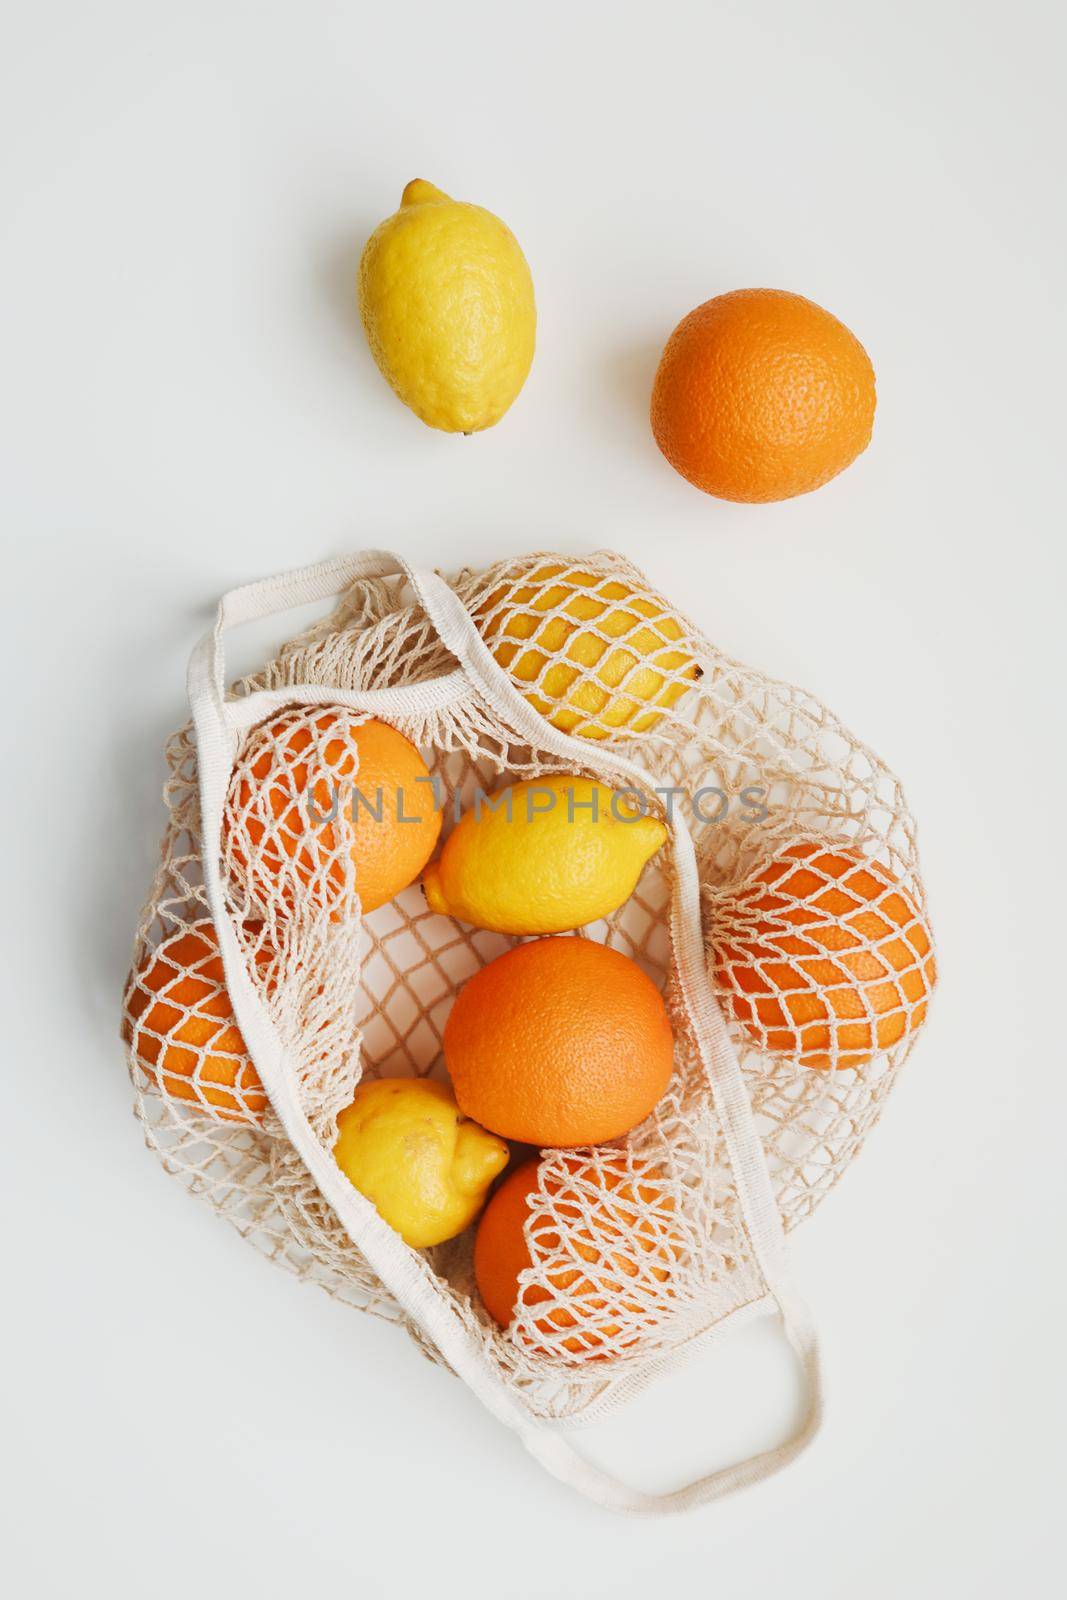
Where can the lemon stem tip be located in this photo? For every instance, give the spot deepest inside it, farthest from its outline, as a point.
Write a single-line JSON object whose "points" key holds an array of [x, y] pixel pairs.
{"points": [[419, 193], [431, 888], [656, 833]]}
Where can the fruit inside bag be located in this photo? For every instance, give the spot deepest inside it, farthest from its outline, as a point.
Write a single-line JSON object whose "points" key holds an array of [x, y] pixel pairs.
{"points": [[814, 937]]}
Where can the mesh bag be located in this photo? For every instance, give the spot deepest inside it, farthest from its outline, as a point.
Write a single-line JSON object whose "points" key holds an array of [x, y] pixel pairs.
{"points": [[260, 995]]}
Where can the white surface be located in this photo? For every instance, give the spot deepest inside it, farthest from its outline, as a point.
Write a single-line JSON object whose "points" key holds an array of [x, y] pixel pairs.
{"points": [[187, 403]]}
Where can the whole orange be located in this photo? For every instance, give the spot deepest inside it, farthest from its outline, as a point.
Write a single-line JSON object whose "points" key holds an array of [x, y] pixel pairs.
{"points": [[179, 1021], [603, 1239], [824, 957], [302, 777], [762, 395], [559, 1042]]}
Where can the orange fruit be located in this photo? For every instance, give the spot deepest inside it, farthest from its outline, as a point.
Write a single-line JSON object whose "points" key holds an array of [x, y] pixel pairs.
{"points": [[601, 1236], [824, 957], [559, 1042], [300, 779], [179, 1022], [762, 395]]}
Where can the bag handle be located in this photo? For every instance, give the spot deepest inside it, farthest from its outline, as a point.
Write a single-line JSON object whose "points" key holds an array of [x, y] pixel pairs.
{"points": [[324, 580], [404, 1273]]}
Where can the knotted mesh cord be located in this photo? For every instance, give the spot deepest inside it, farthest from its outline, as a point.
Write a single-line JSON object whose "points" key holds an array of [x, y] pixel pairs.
{"points": [[373, 995]]}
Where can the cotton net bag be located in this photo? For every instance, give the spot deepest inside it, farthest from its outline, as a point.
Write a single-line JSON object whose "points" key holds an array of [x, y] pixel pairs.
{"points": [[284, 976]]}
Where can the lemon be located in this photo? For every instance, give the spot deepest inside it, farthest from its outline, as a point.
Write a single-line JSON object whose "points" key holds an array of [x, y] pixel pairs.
{"points": [[447, 303], [405, 1144], [554, 632], [543, 856]]}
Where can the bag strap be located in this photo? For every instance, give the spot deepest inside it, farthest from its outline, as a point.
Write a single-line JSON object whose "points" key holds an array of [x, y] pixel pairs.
{"points": [[404, 1273], [325, 580]]}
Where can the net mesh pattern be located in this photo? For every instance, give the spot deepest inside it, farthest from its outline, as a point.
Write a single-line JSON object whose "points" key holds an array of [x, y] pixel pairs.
{"points": [[801, 832]]}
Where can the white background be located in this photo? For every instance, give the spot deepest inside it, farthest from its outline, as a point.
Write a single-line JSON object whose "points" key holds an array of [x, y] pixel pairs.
{"points": [[188, 403]]}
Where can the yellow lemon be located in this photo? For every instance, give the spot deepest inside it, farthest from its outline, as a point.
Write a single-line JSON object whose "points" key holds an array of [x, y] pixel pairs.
{"points": [[543, 857], [554, 631], [447, 303], [405, 1144]]}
